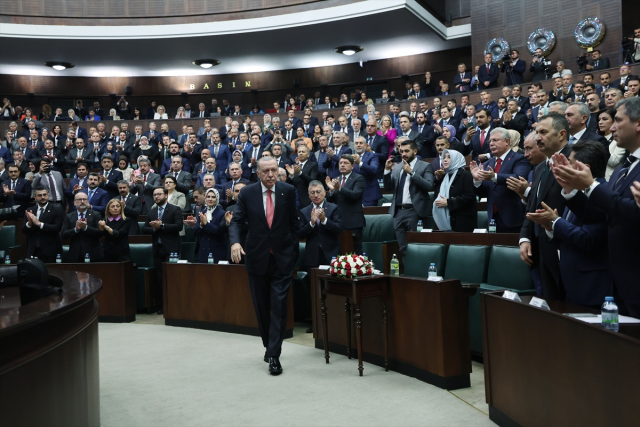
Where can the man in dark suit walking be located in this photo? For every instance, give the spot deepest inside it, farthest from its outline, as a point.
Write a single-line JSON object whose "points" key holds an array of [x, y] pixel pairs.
{"points": [[411, 181], [164, 223], [269, 208], [613, 201], [535, 248], [302, 173], [16, 191], [42, 227], [81, 227], [503, 205], [321, 224], [346, 191]]}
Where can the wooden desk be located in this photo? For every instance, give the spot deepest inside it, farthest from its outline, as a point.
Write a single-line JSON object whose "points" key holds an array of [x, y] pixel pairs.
{"points": [[428, 328], [357, 289], [451, 238], [118, 297], [214, 297], [49, 364], [376, 210], [544, 368]]}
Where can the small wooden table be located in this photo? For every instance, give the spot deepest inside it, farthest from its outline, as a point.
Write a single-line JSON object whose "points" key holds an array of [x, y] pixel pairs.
{"points": [[358, 289]]}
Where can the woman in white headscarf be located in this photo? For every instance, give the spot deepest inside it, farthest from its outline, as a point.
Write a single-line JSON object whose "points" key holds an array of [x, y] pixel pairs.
{"points": [[212, 237], [454, 207]]}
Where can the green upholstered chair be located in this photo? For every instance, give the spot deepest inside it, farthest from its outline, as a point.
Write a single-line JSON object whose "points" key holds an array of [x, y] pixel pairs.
{"points": [[147, 286], [386, 198], [301, 287], [8, 239], [188, 235], [188, 251], [466, 263], [483, 220], [65, 251], [506, 271], [140, 225], [420, 255], [377, 233]]}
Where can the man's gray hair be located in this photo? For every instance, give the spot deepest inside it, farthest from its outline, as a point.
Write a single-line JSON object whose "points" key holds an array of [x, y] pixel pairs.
{"points": [[263, 160], [503, 133], [356, 120], [560, 62], [316, 183], [338, 133], [583, 109], [123, 182], [144, 160], [360, 138], [561, 105], [176, 157], [209, 174], [401, 139], [631, 108]]}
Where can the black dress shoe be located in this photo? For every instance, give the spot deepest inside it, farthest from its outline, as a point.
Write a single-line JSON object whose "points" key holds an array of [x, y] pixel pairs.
{"points": [[310, 330], [160, 311], [275, 368], [266, 358]]}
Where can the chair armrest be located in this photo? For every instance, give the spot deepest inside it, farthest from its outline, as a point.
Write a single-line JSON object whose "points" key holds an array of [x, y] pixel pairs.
{"points": [[15, 247]]}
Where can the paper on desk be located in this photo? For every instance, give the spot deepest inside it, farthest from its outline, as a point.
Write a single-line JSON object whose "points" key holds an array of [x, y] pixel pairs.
{"points": [[484, 199], [324, 267], [598, 319], [386, 204]]}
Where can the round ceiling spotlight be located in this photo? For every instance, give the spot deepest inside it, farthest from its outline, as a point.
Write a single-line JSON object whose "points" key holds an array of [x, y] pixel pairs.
{"points": [[59, 65], [206, 63], [349, 50]]}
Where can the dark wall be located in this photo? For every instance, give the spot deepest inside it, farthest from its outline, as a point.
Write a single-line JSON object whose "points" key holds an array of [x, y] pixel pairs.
{"points": [[514, 20], [270, 86]]}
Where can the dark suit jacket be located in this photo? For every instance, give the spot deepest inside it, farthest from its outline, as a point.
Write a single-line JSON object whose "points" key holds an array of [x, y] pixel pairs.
{"points": [[224, 157], [111, 186], [116, 246], [584, 259], [590, 136], [509, 205], [420, 184], [86, 241], [87, 156], [517, 70], [349, 200], [369, 170], [146, 191], [457, 80], [463, 212], [169, 233], [331, 164], [321, 234], [132, 209], [47, 238], [281, 238], [380, 146], [212, 238], [309, 172], [518, 123], [620, 210], [474, 146], [155, 139], [21, 199], [98, 202], [603, 63], [227, 186], [491, 76]]}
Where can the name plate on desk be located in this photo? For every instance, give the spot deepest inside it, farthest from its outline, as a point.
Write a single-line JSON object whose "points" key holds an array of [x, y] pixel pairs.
{"points": [[434, 278], [427, 230], [223, 262], [182, 261], [483, 200], [539, 302], [513, 296], [479, 230], [386, 204], [324, 267]]}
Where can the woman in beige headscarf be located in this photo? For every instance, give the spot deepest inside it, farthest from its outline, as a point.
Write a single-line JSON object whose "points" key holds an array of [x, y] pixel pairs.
{"points": [[514, 140]]}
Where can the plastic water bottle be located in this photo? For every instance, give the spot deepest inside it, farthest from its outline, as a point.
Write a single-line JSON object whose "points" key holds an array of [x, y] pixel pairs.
{"points": [[433, 271], [364, 255], [492, 226], [7, 260], [172, 258], [210, 259], [86, 257], [419, 226], [58, 259], [395, 266], [610, 315]]}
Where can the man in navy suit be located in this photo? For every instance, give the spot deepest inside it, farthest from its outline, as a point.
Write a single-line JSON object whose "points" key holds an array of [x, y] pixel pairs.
{"points": [[252, 155], [577, 114], [153, 135], [28, 154], [428, 134], [164, 130], [477, 139], [16, 191], [417, 92], [79, 132], [488, 73], [379, 145], [220, 152], [584, 253], [78, 183], [462, 80], [613, 201], [503, 205], [321, 224], [174, 150], [109, 177], [366, 164], [515, 68], [228, 187], [97, 197], [269, 209], [211, 168], [333, 154], [295, 122]]}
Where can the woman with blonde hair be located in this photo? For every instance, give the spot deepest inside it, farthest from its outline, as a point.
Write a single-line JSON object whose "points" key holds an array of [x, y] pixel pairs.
{"points": [[371, 112], [115, 228], [514, 140], [387, 130], [160, 113], [181, 114]]}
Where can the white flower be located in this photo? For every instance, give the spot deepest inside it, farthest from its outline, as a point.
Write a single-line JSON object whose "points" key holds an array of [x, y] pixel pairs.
{"points": [[359, 262], [352, 264]]}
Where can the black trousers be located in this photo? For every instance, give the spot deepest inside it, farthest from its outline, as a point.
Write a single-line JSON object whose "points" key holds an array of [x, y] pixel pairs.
{"points": [[270, 294], [501, 227], [42, 257]]}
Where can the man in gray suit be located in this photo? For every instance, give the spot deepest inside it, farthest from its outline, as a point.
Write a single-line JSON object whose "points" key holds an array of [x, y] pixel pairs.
{"points": [[47, 177], [411, 182], [143, 185], [79, 154], [182, 177]]}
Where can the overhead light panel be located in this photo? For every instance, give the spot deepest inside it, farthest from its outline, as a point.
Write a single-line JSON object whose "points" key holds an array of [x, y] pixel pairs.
{"points": [[59, 65], [206, 63], [349, 50]]}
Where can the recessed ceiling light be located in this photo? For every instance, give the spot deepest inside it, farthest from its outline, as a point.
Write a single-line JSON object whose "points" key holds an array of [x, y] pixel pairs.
{"points": [[59, 65], [349, 50], [206, 63]]}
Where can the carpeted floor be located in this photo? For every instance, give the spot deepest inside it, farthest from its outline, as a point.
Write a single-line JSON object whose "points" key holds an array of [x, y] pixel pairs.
{"points": [[153, 375]]}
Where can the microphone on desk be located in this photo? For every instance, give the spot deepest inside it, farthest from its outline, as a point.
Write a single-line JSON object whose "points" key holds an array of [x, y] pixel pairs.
{"points": [[32, 276]]}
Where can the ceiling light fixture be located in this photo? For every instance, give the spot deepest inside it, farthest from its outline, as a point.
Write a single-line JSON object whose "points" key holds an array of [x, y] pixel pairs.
{"points": [[206, 63], [349, 50], [58, 65]]}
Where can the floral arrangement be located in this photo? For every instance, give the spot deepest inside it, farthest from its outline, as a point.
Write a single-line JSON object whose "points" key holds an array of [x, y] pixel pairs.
{"points": [[350, 265]]}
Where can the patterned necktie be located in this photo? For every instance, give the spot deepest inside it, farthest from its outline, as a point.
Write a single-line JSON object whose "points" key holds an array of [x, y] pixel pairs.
{"points": [[81, 215], [624, 171], [160, 212]]}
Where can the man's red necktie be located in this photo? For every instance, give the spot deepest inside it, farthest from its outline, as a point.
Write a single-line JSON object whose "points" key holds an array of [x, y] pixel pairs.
{"points": [[482, 138]]}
